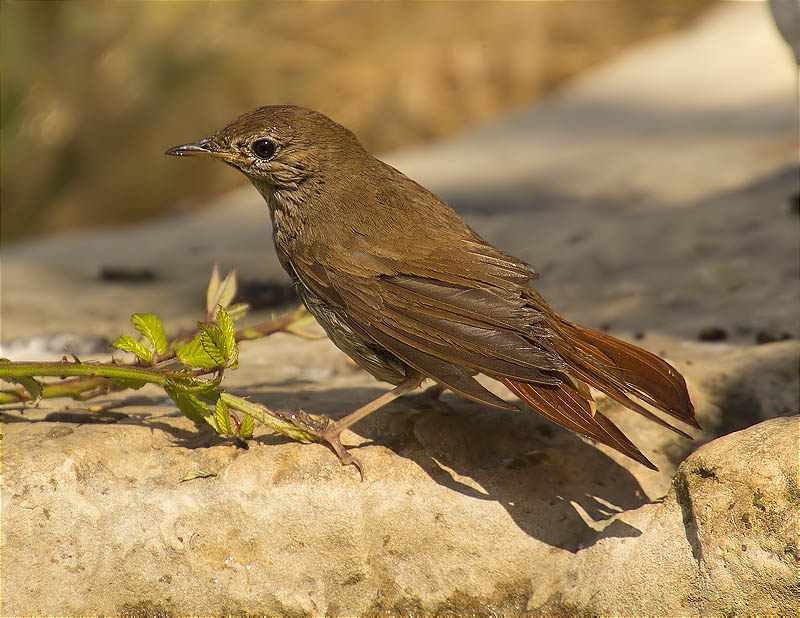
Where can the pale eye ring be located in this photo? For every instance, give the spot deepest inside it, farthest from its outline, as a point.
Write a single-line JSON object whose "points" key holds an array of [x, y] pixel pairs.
{"points": [[263, 148]]}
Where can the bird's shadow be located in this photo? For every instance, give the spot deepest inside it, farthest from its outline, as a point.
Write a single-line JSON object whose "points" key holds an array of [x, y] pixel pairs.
{"points": [[556, 487]]}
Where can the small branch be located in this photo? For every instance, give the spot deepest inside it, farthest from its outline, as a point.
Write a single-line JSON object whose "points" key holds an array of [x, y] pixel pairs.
{"points": [[100, 370], [78, 388], [265, 328]]}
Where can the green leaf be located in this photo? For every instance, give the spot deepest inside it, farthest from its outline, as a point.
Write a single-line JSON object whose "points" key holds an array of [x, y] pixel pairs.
{"points": [[213, 342], [192, 407], [223, 418], [228, 330], [193, 355], [151, 328], [248, 424], [199, 474], [197, 386], [238, 311], [220, 292], [129, 344], [31, 385], [213, 289]]}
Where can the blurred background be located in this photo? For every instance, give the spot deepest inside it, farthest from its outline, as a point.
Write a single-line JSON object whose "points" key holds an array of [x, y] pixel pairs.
{"points": [[93, 93]]}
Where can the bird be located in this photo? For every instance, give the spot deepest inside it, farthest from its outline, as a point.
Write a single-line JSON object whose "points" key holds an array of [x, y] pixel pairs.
{"points": [[404, 287]]}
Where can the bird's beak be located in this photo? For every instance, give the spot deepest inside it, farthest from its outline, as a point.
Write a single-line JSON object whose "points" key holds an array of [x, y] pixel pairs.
{"points": [[205, 148]]}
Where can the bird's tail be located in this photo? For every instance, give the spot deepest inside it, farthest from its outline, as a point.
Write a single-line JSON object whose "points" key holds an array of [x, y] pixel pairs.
{"points": [[625, 373]]}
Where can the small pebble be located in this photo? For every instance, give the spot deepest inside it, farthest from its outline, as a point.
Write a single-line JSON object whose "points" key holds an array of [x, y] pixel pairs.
{"points": [[794, 204], [712, 333], [764, 336], [125, 274], [266, 294]]}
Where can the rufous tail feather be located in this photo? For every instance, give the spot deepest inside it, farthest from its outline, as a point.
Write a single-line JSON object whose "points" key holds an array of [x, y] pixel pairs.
{"points": [[624, 372]]}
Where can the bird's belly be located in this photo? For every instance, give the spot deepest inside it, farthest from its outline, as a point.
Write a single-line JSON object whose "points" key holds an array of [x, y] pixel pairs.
{"points": [[370, 357]]}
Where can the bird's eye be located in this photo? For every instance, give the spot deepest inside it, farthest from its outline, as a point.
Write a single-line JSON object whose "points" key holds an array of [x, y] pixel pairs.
{"points": [[263, 148]]}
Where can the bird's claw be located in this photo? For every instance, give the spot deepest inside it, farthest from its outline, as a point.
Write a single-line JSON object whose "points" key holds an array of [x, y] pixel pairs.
{"points": [[346, 459], [304, 421], [325, 430]]}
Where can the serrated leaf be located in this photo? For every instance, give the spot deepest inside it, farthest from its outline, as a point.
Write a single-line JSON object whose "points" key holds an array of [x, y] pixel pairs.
{"points": [[228, 331], [151, 328], [129, 344], [213, 289], [246, 429], [130, 383], [238, 311], [197, 386], [199, 474], [213, 342], [223, 418], [220, 292], [193, 355], [227, 289], [192, 407]]}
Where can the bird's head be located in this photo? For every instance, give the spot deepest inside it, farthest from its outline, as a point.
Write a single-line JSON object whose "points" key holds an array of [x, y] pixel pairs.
{"points": [[279, 146]]}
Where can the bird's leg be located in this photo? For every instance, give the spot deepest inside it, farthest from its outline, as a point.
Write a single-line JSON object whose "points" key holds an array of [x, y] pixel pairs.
{"points": [[330, 432], [398, 391]]}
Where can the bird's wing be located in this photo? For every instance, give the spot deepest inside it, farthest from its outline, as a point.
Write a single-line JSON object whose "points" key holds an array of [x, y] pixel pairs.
{"points": [[470, 309], [449, 315]]}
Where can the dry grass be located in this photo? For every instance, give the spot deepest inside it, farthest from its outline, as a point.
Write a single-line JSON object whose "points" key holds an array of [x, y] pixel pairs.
{"points": [[94, 92]]}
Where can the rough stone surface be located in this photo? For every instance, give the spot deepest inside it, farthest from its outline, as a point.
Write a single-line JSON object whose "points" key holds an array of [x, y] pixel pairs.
{"points": [[654, 198], [723, 542]]}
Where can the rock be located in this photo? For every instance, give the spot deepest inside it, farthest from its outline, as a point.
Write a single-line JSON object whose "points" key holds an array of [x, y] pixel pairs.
{"points": [[750, 385], [722, 543], [739, 499], [458, 514]]}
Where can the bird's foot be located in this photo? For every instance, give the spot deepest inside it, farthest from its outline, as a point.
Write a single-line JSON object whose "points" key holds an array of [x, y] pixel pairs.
{"points": [[324, 430]]}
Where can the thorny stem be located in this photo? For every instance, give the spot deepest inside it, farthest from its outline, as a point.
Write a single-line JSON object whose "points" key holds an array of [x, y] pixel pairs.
{"points": [[265, 328], [80, 389], [103, 370]]}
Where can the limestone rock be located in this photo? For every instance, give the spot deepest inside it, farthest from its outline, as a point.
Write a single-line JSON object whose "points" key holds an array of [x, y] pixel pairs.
{"points": [[722, 543]]}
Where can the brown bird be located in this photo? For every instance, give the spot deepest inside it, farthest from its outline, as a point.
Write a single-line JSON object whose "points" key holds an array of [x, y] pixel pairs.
{"points": [[406, 289]]}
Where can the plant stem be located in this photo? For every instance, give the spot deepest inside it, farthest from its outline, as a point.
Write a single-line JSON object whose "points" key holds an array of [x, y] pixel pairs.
{"points": [[94, 379], [265, 328], [101, 370], [80, 388]]}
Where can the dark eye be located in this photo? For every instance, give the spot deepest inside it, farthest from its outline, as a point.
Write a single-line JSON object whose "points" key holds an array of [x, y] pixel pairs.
{"points": [[263, 148]]}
